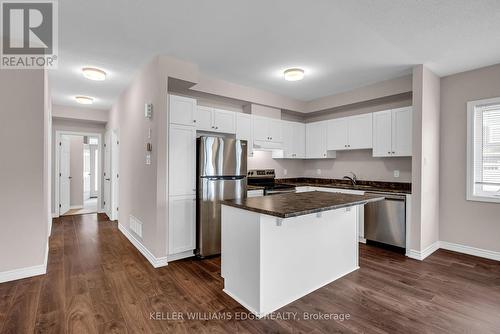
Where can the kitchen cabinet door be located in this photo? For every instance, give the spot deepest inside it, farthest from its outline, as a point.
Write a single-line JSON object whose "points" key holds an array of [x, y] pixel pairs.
{"points": [[275, 131], [288, 140], [402, 130], [244, 130], [224, 121], [316, 140], [337, 134], [181, 224], [204, 118], [261, 128], [299, 140], [382, 133], [182, 110], [182, 160], [360, 132]]}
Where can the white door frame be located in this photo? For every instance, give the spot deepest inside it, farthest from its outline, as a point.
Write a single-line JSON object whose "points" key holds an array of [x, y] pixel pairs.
{"points": [[57, 166], [115, 172]]}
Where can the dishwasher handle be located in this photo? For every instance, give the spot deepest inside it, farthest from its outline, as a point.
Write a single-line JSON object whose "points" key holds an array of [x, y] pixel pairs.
{"points": [[389, 197]]}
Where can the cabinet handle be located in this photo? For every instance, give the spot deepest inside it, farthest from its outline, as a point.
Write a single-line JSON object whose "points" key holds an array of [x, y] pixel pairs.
{"points": [[393, 152], [216, 128], [389, 152], [194, 121]]}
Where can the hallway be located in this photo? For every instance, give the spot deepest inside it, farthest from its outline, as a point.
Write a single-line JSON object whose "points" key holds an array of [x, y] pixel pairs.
{"points": [[97, 282]]}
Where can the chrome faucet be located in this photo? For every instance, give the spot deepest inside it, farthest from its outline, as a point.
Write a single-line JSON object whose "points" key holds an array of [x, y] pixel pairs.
{"points": [[353, 179]]}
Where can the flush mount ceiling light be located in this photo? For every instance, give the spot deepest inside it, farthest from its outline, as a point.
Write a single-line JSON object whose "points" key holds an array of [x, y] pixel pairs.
{"points": [[84, 99], [93, 73], [294, 74]]}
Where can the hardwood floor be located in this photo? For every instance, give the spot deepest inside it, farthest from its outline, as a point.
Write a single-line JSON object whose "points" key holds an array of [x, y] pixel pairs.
{"points": [[97, 282]]}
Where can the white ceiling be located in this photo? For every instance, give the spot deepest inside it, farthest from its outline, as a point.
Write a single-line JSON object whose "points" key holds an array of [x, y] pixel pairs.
{"points": [[341, 44]]}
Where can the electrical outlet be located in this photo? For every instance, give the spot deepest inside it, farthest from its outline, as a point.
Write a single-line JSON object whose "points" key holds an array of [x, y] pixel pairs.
{"points": [[318, 171], [396, 173], [285, 172]]}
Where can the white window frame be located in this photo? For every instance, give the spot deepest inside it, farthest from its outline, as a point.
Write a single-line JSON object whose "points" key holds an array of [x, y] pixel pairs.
{"points": [[471, 107]]}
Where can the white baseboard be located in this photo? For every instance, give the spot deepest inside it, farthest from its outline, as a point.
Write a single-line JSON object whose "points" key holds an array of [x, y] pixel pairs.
{"points": [[15, 274], [420, 255], [76, 207], [362, 240], [180, 256], [155, 261], [55, 215], [492, 255]]}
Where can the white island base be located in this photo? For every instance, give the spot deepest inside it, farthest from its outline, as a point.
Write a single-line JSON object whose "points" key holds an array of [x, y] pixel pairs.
{"points": [[268, 262]]}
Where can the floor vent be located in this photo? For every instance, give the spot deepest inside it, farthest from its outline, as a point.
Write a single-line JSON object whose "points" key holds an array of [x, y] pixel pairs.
{"points": [[135, 226]]}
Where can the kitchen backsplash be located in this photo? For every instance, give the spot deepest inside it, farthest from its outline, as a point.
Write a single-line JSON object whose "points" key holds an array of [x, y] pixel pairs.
{"points": [[360, 162]]}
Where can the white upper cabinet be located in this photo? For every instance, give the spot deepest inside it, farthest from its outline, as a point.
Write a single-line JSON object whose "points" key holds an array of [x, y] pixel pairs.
{"points": [[182, 160], [294, 140], [182, 110], [244, 130], [338, 134], [316, 141], [204, 118], [350, 133], [267, 129], [382, 137], [215, 120], [392, 133], [224, 121], [360, 132], [402, 131]]}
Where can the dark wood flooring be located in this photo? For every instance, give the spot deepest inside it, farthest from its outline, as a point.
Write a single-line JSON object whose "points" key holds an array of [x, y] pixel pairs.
{"points": [[97, 282]]}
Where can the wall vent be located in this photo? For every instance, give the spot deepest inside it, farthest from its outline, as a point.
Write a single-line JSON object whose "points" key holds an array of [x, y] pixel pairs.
{"points": [[135, 226]]}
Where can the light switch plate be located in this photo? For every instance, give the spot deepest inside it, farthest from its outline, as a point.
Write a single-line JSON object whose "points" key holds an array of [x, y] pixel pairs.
{"points": [[148, 110], [148, 158], [318, 171]]}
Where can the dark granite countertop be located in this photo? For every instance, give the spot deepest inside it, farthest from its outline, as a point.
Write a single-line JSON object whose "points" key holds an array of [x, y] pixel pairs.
{"points": [[297, 204], [390, 187], [250, 187]]}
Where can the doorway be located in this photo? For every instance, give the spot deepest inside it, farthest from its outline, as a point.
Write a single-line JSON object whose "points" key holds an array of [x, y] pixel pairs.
{"points": [[78, 173]]}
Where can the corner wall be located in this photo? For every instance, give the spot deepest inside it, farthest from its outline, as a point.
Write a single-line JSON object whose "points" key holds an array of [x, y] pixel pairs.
{"points": [[24, 123], [425, 160]]}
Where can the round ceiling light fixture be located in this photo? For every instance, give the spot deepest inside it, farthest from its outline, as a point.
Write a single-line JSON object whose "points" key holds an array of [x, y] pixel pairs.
{"points": [[294, 74], [84, 99], [93, 73]]}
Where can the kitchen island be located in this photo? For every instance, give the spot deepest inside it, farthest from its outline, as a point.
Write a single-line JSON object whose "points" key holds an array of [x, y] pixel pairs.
{"points": [[276, 249]]}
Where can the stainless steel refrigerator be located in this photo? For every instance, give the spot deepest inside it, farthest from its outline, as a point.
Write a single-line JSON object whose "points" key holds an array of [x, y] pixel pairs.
{"points": [[221, 171]]}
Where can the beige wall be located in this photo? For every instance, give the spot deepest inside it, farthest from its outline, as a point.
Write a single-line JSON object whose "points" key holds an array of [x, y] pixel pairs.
{"points": [[138, 191], [464, 222], [23, 173], [76, 171], [78, 113]]}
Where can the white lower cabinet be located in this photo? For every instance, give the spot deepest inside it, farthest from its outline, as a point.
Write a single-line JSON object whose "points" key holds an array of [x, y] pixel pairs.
{"points": [[181, 224]]}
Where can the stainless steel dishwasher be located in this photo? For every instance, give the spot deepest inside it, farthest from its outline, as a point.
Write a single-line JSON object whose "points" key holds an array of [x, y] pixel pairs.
{"points": [[385, 221]]}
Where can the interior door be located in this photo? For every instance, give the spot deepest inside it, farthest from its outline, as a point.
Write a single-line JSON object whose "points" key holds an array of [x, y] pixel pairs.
{"points": [[94, 170], [87, 162], [64, 174], [107, 174]]}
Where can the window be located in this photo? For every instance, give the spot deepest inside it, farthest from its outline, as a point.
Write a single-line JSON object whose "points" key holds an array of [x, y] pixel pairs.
{"points": [[483, 150]]}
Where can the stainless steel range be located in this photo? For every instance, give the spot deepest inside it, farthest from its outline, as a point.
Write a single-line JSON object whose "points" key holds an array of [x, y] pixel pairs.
{"points": [[266, 178]]}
